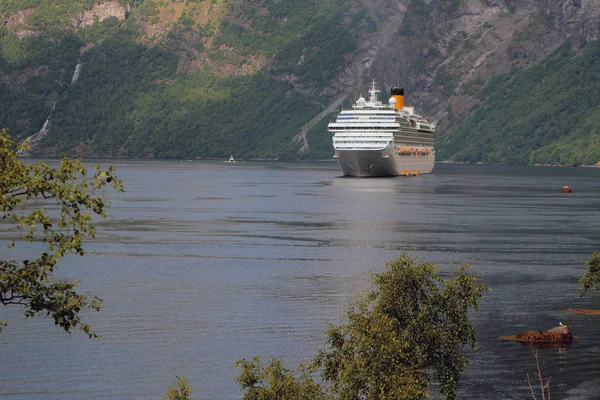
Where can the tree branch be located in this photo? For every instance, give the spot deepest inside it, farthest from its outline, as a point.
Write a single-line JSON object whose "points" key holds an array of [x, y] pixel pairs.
{"points": [[531, 388]]}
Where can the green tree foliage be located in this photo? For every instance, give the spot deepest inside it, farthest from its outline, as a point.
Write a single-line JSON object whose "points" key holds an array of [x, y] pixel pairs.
{"points": [[580, 146], [315, 50], [45, 14], [147, 8], [180, 392], [546, 114], [100, 103], [40, 68], [171, 99], [275, 382], [319, 140], [130, 102], [53, 206], [591, 278], [407, 332]]}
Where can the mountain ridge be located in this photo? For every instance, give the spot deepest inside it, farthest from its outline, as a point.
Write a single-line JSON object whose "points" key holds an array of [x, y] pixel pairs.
{"points": [[281, 68]]}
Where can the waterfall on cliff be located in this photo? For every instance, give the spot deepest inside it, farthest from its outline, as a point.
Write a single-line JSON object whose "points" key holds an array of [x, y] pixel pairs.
{"points": [[76, 74], [39, 135]]}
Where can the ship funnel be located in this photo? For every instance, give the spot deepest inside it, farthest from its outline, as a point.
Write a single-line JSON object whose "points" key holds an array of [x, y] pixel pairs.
{"points": [[398, 94]]}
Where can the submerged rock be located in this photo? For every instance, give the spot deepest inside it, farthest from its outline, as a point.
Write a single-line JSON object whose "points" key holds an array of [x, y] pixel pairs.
{"points": [[560, 334], [584, 311]]}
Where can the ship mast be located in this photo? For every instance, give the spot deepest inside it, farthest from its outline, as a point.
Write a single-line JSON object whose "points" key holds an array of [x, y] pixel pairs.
{"points": [[373, 92]]}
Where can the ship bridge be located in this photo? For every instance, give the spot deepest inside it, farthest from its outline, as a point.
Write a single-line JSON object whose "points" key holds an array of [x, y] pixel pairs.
{"points": [[366, 126]]}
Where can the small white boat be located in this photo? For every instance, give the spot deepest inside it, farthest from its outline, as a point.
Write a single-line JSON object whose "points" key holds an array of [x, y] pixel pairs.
{"points": [[231, 159]]}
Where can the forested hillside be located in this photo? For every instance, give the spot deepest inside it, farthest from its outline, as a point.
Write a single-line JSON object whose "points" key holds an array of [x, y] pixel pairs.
{"points": [[174, 80], [552, 108], [506, 81]]}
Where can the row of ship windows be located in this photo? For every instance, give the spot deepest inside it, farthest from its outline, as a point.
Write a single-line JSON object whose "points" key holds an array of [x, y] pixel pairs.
{"points": [[412, 145], [365, 121], [358, 117], [409, 136], [413, 137], [391, 112], [355, 115], [363, 128], [355, 142], [424, 143], [373, 128]]}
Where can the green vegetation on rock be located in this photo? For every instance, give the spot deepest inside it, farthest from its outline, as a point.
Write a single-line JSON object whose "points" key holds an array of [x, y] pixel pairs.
{"points": [[320, 140], [41, 68], [243, 82], [548, 114]]}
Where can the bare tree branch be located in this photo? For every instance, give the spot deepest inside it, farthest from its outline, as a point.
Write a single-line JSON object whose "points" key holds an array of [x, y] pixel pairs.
{"points": [[531, 388], [544, 386]]}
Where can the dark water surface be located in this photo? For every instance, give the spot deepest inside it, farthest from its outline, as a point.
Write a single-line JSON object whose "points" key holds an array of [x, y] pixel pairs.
{"points": [[201, 264]]}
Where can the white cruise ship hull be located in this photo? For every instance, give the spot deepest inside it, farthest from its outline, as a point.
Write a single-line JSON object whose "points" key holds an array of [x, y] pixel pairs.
{"points": [[373, 139], [382, 163]]}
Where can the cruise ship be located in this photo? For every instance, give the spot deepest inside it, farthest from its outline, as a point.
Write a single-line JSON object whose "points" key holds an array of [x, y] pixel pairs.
{"points": [[376, 139]]}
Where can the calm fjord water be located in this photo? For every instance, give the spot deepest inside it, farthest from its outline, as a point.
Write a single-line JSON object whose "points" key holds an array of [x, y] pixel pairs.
{"points": [[204, 263]]}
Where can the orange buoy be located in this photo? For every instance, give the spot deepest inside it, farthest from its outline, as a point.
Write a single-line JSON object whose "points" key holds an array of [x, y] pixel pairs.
{"points": [[566, 189]]}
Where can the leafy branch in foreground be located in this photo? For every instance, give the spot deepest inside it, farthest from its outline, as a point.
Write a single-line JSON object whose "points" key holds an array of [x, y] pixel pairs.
{"points": [[408, 331], [591, 278], [53, 206]]}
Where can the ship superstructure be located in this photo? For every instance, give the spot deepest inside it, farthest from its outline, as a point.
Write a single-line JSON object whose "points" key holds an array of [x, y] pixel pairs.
{"points": [[376, 139]]}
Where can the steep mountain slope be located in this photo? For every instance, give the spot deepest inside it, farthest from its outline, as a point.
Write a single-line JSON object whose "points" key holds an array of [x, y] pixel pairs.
{"points": [[197, 79], [261, 78], [533, 109]]}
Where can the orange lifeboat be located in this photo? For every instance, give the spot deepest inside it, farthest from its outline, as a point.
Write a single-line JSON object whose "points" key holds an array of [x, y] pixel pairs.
{"points": [[566, 189]]}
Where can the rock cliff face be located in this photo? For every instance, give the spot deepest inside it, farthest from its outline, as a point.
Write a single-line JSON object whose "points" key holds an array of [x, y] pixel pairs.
{"points": [[100, 12], [443, 55], [573, 17]]}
